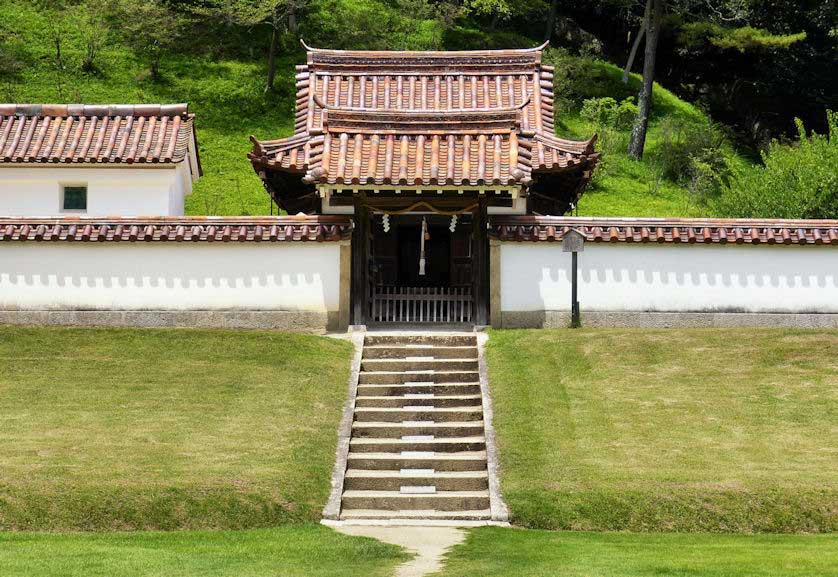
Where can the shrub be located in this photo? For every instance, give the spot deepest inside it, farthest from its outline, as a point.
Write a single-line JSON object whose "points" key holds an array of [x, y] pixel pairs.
{"points": [[577, 78], [692, 153], [797, 180], [611, 120], [608, 113]]}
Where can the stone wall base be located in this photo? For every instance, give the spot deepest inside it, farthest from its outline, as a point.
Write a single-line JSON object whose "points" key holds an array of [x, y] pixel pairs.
{"points": [[561, 319], [296, 321]]}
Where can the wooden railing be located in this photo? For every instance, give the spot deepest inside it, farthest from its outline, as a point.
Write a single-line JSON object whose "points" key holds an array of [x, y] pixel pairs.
{"points": [[392, 304]]}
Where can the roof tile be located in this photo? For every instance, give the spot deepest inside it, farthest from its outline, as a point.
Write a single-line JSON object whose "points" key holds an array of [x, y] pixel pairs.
{"points": [[178, 229], [691, 231], [423, 119], [83, 133]]}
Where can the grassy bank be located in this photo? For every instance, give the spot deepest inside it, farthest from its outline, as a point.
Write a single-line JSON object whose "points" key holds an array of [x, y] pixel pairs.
{"points": [[668, 430], [491, 552], [226, 93], [290, 551], [122, 429]]}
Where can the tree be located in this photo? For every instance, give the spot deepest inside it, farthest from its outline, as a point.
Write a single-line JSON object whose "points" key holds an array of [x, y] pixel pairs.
{"points": [[153, 27], [94, 31], [717, 16], [280, 15], [652, 19], [551, 20], [633, 52]]}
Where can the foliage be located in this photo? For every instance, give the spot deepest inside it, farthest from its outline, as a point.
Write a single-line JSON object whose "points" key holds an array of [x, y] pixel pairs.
{"points": [[611, 120], [374, 24], [744, 38], [797, 180], [94, 31], [166, 429], [692, 153], [607, 113], [152, 27], [293, 550], [220, 71], [501, 552], [626, 430], [622, 186]]}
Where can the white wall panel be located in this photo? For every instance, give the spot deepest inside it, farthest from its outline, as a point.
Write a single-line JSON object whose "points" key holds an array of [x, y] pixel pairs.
{"points": [[171, 276], [112, 191], [667, 277]]}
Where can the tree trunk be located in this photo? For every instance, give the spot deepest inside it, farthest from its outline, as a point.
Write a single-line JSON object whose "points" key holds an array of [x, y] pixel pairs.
{"points": [[652, 18], [269, 85], [633, 52], [551, 20], [293, 27]]}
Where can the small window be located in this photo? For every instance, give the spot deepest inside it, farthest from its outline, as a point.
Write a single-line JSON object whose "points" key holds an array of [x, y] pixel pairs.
{"points": [[74, 198]]}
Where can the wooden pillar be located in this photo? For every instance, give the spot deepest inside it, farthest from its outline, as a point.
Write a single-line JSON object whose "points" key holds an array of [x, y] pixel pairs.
{"points": [[360, 259], [481, 262], [494, 283], [344, 298]]}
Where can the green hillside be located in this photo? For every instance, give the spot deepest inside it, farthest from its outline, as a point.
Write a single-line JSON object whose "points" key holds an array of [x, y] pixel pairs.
{"points": [[226, 93]]}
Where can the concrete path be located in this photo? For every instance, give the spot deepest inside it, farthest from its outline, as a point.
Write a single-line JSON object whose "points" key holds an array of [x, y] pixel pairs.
{"points": [[428, 543]]}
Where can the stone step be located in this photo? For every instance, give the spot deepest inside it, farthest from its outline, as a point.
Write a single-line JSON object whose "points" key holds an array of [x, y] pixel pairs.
{"points": [[449, 340], [362, 429], [378, 480], [405, 351], [415, 401], [479, 515], [437, 445], [465, 461], [419, 364], [408, 388], [438, 414], [399, 501], [397, 377]]}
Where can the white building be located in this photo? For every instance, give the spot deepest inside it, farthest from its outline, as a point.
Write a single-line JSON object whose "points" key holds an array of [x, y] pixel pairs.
{"points": [[75, 159]]}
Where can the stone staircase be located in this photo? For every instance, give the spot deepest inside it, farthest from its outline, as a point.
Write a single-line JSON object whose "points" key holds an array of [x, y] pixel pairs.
{"points": [[418, 445]]}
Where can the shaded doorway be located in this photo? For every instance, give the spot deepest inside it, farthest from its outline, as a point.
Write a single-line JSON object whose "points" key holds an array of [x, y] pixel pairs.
{"points": [[402, 290]]}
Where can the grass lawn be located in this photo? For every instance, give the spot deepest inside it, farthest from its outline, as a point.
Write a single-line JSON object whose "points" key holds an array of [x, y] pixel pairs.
{"points": [[492, 551], [668, 430], [124, 429], [288, 551]]}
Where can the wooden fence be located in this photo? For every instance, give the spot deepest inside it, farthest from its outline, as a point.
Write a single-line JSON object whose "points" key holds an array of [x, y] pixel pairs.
{"points": [[392, 304]]}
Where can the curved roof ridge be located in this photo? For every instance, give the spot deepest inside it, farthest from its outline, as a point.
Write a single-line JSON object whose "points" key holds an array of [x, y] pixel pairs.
{"points": [[426, 53], [91, 110]]}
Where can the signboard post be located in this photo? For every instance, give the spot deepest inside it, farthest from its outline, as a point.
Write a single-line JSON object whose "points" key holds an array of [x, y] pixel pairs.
{"points": [[573, 241]]}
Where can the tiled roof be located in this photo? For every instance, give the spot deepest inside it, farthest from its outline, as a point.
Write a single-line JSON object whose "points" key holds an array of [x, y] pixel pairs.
{"points": [[667, 230], [83, 133], [177, 229], [413, 148], [423, 119]]}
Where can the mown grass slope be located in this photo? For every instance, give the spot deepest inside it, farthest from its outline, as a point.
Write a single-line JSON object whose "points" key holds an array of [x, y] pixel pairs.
{"points": [[495, 552], [291, 550], [125, 429], [226, 93], [721, 430]]}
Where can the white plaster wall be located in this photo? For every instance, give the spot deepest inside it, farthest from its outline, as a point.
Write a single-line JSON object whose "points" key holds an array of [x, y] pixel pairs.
{"points": [[682, 278], [170, 276], [122, 190]]}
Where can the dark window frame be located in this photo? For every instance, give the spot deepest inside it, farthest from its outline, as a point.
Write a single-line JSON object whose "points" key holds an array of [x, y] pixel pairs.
{"points": [[74, 188]]}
